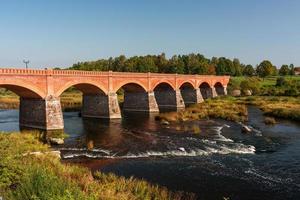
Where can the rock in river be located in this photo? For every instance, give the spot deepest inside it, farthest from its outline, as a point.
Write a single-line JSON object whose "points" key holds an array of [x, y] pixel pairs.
{"points": [[56, 141], [246, 129], [164, 122]]}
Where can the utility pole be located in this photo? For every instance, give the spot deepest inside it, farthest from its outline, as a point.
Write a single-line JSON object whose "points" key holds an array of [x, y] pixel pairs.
{"points": [[26, 63]]}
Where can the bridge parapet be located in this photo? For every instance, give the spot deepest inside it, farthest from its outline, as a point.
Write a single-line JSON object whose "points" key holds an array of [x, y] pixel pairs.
{"points": [[23, 71]]}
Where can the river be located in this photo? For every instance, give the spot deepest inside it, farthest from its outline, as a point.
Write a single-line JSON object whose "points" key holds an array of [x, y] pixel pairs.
{"points": [[211, 158]]}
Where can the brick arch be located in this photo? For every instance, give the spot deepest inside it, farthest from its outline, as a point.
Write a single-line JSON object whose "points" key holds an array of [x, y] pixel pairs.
{"points": [[186, 82], [219, 87], [163, 81], [223, 82], [206, 90], [23, 88], [127, 82], [81, 86], [205, 82]]}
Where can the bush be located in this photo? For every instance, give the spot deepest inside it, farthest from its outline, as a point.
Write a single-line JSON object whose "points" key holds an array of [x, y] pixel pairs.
{"points": [[280, 81], [251, 84]]}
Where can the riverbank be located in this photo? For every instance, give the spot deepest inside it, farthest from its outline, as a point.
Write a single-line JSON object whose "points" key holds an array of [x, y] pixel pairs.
{"points": [[69, 101], [235, 109], [28, 175]]}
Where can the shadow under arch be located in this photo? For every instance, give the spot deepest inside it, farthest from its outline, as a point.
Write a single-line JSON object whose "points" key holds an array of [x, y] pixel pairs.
{"points": [[136, 98], [206, 90], [188, 93], [32, 105], [220, 90], [166, 97]]}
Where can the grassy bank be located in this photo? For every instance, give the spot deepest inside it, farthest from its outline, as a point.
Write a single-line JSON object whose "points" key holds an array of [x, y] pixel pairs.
{"points": [[69, 101], [43, 176], [280, 107], [224, 108], [234, 109]]}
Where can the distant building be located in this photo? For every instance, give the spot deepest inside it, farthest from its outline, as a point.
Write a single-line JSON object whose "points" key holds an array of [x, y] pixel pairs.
{"points": [[297, 71]]}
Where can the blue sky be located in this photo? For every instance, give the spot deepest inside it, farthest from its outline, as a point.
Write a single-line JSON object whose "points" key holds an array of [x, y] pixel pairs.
{"points": [[62, 32]]}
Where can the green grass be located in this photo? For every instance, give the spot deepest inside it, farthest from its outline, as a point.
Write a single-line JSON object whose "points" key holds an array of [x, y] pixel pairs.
{"points": [[280, 107], [267, 81], [234, 109], [227, 108], [44, 177]]}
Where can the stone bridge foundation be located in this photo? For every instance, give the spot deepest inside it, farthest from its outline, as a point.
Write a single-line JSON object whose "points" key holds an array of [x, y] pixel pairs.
{"points": [[169, 99], [101, 106], [213, 92], [140, 102], [41, 113]]}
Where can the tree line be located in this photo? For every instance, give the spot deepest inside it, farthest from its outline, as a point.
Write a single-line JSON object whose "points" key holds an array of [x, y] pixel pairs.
{"points": [[184, 64]]}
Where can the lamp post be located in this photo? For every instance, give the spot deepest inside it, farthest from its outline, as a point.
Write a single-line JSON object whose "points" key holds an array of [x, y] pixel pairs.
{"points": [[26, 63]]}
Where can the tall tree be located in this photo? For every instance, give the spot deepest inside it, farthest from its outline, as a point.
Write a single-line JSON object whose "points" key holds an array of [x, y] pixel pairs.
{"points": [[237, 67], [248, 70], [265, 68], [284, 70], [292, 69]]}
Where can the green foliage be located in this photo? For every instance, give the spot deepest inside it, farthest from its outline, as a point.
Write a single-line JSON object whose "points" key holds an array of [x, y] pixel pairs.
{"points": [[265, 68], [284, 70], [223, 108], [181, 64], [268, 86], [248, 70], [251, 84]]}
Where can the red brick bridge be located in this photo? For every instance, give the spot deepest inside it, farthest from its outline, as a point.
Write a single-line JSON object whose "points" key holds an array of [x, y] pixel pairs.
{"points": [[40, 91]]}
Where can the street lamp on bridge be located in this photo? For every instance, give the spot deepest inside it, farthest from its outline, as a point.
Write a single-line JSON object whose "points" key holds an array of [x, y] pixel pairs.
{"points": [[26, 63]]}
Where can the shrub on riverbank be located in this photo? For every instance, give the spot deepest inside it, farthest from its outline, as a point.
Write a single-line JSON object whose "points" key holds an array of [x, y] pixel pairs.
{"points": [[281, 107], [43, 176], [234, 109], [223, 108], [269, 86]]}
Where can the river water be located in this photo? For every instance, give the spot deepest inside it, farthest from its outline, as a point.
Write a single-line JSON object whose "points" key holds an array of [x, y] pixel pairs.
{"points": [[211, 158]]}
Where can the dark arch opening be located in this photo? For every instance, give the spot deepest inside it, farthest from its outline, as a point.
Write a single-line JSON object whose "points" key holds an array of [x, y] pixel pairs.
{"points": [[188, 93], [206, 90], [75, 97], [86, 99], [219, 89], [165, 97], [25, 108], [133, 98]]}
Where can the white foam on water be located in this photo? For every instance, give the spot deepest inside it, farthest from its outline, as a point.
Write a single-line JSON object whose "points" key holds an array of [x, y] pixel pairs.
{"points": [[218, 145], [85, 149], [220, 137], [238, 149]]}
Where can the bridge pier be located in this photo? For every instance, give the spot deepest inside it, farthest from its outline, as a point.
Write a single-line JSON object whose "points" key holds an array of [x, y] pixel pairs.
{"points": [[101, 106], [169, 99], [41, 113], [140, 102], [191, 96], [213, 92]]}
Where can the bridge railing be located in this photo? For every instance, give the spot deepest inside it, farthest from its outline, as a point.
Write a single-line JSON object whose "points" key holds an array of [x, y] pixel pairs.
{"points": [[22, 71], [98, 73]]}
